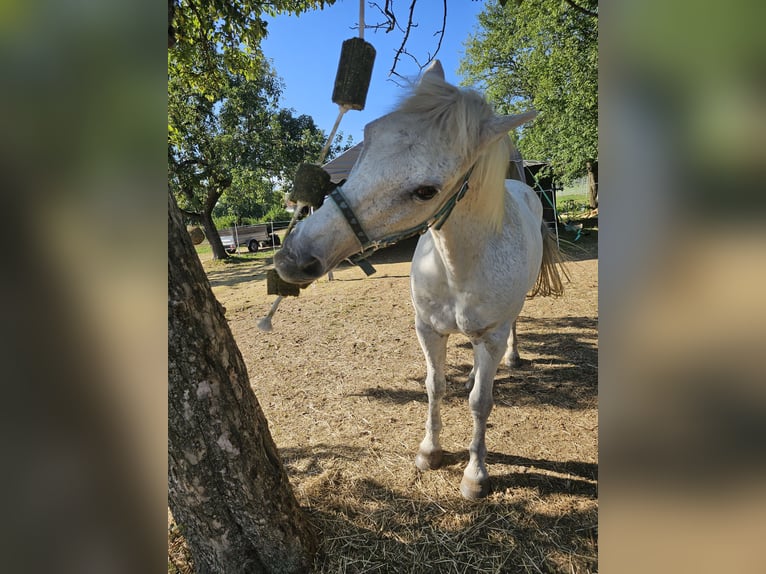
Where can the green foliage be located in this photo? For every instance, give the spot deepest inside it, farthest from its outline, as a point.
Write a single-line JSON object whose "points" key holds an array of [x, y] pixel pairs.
{"points": [[277, 213], [226, 135], [226, 221], [542, 55], [213, 38], [570, 207], [232, 151]]}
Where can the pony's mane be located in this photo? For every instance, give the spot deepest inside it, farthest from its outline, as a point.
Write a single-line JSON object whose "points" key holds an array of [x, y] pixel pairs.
{"points": [[459, 113]]}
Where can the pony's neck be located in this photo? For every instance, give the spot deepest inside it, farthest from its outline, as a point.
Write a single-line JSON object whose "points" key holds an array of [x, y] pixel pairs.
{"points": [[464, 237]]}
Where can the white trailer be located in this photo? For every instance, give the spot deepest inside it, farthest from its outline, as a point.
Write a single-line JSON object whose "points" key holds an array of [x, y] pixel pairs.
{"points": [[255, 237]]}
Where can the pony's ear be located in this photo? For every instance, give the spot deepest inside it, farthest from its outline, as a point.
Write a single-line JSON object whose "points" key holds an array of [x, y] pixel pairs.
{"points": [[436, 69], [499, 126]]}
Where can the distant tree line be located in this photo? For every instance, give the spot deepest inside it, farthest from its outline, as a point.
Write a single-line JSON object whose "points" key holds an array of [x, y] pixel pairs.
{"points": [[542, 55]]}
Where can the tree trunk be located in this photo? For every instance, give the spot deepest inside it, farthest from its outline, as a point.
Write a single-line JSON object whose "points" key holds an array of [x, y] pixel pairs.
{"points": [[213, 237], [227, 488], [592, 167]]}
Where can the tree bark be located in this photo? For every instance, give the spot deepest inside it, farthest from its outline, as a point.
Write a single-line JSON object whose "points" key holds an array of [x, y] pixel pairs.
{"points": [[213, 237], [227, 488], [592, 167]]}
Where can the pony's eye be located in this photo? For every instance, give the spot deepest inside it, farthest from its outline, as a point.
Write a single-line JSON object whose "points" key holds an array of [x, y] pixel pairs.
{"points": [[425, 193]]}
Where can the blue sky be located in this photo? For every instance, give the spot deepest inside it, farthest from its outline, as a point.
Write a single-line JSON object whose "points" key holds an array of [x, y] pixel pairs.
{"points": [[305, 50]]}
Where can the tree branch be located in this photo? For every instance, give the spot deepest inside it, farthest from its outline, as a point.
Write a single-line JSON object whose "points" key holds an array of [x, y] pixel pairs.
{"points": [[402, 48], [440, 33], [191, 161], [197, 217], [390, 22], [581, 9]]}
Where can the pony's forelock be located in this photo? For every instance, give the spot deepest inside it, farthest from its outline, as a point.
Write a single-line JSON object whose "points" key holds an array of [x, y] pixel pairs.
{"points": [[460, 113]]}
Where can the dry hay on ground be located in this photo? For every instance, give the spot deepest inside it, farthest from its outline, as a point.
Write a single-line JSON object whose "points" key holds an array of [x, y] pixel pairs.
{"points": [[340, 380]]}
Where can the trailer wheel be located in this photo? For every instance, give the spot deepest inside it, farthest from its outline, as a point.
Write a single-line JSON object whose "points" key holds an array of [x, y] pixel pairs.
{"points": [[252, 247]]}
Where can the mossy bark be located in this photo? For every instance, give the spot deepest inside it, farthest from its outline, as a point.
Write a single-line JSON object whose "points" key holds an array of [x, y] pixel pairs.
{"points": [[227, 487]]}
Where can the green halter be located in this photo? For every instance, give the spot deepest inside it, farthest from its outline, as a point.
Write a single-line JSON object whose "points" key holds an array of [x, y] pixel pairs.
{"points": [[370, 246]]}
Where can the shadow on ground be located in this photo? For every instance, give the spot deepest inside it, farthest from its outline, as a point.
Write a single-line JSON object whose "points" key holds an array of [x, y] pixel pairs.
{"points": [[564, 372], [241, 269], [533, 520], [579, 245]]}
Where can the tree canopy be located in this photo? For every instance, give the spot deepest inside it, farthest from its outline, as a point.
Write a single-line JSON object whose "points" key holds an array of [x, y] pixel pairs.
{"points": [[228, 138], [236, 145], [542, 55], [212, 37]]}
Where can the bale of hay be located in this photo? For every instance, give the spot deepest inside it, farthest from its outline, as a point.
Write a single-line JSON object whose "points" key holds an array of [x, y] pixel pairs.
{"points": [[275, 285], [196, 234], [310, 184], [352, 80]]}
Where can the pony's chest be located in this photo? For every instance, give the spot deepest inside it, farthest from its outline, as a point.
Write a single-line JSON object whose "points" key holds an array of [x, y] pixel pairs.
{"points": [[450, 312], [446, 306]]}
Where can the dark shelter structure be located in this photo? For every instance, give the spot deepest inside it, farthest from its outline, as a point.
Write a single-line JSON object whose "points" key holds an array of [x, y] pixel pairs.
{"points": [[539, 176]]}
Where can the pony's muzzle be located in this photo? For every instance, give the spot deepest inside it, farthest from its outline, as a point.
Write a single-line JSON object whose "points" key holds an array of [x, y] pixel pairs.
{"points": [[297, 266]]}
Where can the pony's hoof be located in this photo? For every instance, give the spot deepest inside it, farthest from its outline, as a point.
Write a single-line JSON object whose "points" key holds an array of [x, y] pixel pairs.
{"points": [[429, 460], [265, 325], [473, 490], [514, 362]]}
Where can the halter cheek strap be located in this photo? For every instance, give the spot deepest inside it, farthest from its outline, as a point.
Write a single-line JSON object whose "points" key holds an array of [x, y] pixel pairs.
{"points": [[342, 203], [369, 246], [359, 259]]}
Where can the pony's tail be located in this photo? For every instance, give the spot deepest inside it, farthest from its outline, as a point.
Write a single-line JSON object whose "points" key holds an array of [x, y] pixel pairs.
{"points": [[549, 282]]}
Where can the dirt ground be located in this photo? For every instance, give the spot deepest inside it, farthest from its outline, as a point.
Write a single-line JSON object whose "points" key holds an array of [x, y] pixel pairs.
{"points": [[341, 381]]}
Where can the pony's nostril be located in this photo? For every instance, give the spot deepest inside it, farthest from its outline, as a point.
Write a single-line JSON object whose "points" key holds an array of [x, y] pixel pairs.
{"points": [[312, 267]]}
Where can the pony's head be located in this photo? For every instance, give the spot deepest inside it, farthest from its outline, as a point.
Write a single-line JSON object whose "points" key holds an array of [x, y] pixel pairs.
{"points": [[413, 161]]}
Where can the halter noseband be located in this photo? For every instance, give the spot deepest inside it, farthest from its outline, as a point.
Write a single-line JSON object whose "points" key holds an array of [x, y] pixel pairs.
{"points": [[370, 246]]}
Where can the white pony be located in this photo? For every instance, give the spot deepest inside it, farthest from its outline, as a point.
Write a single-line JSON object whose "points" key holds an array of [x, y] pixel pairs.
{"points": [[438, 162]]}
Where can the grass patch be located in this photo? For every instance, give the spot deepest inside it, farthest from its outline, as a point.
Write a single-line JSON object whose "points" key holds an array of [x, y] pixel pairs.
{"points": [[204, 248], [570, 207]]}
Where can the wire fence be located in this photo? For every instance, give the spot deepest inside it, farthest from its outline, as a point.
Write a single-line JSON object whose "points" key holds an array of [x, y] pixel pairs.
{"points": [[573, 200]]}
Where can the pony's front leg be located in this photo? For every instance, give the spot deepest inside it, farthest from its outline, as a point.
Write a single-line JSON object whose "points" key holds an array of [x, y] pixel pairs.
{"points": [[488, 351], [435, 350]]}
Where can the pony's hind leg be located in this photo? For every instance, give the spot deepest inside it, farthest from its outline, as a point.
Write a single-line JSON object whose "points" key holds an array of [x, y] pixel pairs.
{"points": [[512, 358], [488, 351], [435, 350]]}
